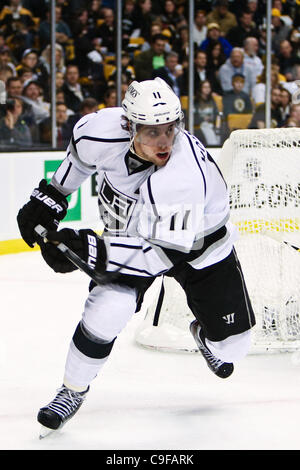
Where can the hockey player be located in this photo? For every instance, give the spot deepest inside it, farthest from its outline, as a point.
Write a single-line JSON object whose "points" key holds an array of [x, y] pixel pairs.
{"points": [[165, 208]]}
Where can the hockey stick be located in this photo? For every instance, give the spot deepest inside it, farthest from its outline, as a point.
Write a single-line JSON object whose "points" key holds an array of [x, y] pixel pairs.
{"points": [[278, 238], [77, 261]]}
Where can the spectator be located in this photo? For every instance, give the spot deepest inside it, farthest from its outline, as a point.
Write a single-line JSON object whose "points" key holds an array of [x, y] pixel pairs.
{"points": [[6, 59], [60, 98], [146, 62], [14, 87], [285, 104], [82, 33], [281, 30], [61, 126], [295, 114], [201, 72], [128, 73], [181, 45], [18, 27], [199, 28], [87, 106], [106, 32], [245, 28], [32, 95], [45, 58], [25, 74], [30, 60], [156, 28], [262, 40], [294, 38], [109, 99], [74, 92], [143, 18], [171, 72], [5, 73], [215, 59], [259, 90], [236, 101], [254, 8], [60, 80], [222, 16], [286, 12], [13, 129], [235, 64], [200, 69], [205, 115], [63, 32], [127, 21], [287, 59], [250, 55], [95, 14], [259, 116], [170, 17], [213, 36]]}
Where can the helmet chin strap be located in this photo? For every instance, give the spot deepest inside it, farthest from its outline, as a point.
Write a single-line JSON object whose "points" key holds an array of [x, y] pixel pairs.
{"points": [[132, 149], [133, 132]]}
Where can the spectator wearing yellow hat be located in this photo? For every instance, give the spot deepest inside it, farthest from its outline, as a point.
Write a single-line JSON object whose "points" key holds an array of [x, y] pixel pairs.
{"points": [[281, 30]]}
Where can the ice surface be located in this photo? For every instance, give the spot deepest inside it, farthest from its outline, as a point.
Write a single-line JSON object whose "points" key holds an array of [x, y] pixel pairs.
{"points": [[142, 399]]}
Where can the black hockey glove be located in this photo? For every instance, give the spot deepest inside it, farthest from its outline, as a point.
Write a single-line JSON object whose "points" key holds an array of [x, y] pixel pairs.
{"points": [[85, 243], [47, 207]]}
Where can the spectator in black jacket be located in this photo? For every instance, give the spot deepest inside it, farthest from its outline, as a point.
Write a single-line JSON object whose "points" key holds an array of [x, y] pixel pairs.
{"points": [[246, 27], [73, 91], [259, 116]]}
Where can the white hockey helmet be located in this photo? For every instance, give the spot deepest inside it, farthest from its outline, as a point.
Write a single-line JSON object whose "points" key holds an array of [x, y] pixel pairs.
{"points": [[151, 102]]}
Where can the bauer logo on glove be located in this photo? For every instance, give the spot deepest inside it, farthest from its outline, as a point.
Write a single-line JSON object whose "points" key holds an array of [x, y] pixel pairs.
{"points": [[47, 200], [47, 206], [84, 243], [92, 244]]}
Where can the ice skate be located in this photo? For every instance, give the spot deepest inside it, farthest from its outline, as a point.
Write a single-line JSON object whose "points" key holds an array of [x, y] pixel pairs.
{"points": [[218, 367], [64, 406]]}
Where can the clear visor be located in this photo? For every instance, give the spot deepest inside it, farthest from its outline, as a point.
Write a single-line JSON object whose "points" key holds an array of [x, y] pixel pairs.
{"points": [[160, 136]]}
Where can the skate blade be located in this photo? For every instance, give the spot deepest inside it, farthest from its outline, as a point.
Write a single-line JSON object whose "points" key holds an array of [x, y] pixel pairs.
{"points": [[44, 432]]}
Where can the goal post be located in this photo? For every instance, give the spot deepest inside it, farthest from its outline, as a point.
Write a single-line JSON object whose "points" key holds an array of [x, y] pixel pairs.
{"points": [[262, 171]]}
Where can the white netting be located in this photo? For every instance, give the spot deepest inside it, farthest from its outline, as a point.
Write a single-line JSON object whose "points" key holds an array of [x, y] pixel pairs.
{"points": [[262, 169]]}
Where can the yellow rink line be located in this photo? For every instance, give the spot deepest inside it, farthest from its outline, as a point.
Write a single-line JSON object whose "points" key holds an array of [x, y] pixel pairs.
{"points": [[15, 246], [19, 246]]}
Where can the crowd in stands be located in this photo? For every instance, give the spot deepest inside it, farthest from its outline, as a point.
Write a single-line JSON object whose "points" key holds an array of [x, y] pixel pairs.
{"points": [[229, 39]]}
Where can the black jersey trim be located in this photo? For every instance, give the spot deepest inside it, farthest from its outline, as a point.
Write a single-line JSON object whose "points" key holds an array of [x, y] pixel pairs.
{"points": [[82, 124], [123, 245], [132, 247], [157, 216], [198, 164], [130, 268], [100, 139], [66, 174], [211, 159]]}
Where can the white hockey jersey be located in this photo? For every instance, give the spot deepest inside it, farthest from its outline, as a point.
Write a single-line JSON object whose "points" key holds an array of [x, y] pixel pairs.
{"points": [[154, 217]]}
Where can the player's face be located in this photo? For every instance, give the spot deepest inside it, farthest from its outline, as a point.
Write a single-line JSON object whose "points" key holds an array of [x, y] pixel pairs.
{"points": [[154, 143]]}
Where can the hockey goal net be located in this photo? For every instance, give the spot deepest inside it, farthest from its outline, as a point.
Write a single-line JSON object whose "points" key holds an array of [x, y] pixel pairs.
{"points": [[262, 170]]}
